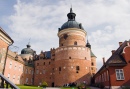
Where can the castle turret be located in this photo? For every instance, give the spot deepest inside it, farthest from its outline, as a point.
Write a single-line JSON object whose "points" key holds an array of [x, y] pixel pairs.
{"points": [[93, 59], [72, 57]]}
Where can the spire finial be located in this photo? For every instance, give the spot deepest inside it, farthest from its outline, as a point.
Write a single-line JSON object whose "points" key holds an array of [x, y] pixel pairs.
{"points": [[71, 11], [71, 15], [29, 40], [88, 44], [28, 45]]}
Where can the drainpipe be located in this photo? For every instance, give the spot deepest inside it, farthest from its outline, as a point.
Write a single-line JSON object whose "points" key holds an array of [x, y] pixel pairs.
{"points": [[6, 57]]}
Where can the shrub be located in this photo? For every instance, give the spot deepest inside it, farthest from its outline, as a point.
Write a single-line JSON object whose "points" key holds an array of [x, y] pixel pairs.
{"points": [[82, 86], [44, 84]]}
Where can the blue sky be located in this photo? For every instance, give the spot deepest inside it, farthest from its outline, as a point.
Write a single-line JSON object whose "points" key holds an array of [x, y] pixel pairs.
{"points": [[106, 23]]}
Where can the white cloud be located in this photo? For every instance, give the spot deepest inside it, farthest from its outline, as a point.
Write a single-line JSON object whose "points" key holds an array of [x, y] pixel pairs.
{"points": [[106, 21]]}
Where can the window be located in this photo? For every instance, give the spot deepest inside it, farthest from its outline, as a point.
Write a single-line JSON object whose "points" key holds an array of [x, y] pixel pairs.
{"points": [[44, 63], [8, 75], [13, 77], [119, 74], [26, 80], [49, 63], [104, 76], [43, 71], [107, 76], [10, 66], [92, 64], [59, 68], [37, 71], [31, 80], [77, 67], [32, 72], [18, 78], [15, 66], [26, 71], [19, 67], [75, 43], [37, 64], [61, 44], [69, 57]]}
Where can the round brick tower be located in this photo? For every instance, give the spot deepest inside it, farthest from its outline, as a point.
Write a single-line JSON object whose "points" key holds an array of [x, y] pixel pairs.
{"points": [[72, 57]]}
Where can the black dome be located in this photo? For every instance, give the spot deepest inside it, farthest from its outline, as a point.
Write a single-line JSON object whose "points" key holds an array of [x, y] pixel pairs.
{"points": [[27, 50], [71, 23]]}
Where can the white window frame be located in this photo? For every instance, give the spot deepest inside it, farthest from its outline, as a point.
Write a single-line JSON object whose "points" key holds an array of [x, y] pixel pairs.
{"points": [[119, 77]]}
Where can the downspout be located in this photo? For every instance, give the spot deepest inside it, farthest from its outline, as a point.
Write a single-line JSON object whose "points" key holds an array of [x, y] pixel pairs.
{"points": [[6, 57]]}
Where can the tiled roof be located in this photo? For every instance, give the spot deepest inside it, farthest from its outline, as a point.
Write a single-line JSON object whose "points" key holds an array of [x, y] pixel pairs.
{"points": [[48, 54], [116, 59], [92, 54]]}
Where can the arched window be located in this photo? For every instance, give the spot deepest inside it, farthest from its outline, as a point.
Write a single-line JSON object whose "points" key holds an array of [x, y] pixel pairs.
{"points": [[75, 43]]}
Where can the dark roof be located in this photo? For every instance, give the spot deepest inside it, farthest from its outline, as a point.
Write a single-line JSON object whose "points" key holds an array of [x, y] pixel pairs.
{"points": [[92, 54], [88, 44], [116, 59], [27, 50], [6, 34], [48, 54], [71, 23]]}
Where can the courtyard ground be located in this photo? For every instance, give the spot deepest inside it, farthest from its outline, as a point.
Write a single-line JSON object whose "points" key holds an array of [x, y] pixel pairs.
{"points": [[35, 87]]}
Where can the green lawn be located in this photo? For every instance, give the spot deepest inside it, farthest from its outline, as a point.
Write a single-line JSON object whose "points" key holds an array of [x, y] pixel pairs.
{"points": [[35, 87], [29, 87], [71, 88]]}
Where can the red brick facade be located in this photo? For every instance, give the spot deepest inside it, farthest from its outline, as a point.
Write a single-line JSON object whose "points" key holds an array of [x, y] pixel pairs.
{"points": [[108, 76], [72, 61]]}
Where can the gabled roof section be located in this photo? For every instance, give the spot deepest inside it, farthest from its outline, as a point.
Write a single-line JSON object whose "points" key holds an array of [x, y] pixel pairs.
{"points": [[116, 57]]}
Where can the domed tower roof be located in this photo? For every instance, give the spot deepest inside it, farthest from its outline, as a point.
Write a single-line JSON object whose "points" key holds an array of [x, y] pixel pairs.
{"points": [[71, 23], [27, 50]]}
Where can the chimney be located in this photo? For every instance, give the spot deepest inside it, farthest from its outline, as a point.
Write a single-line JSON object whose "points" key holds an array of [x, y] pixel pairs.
{"points": [[113, 51], [120, 43], [103, 60]]}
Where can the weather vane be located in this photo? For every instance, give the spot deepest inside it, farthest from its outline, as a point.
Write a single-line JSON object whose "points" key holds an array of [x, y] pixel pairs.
{"points": [[29, 40]]}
